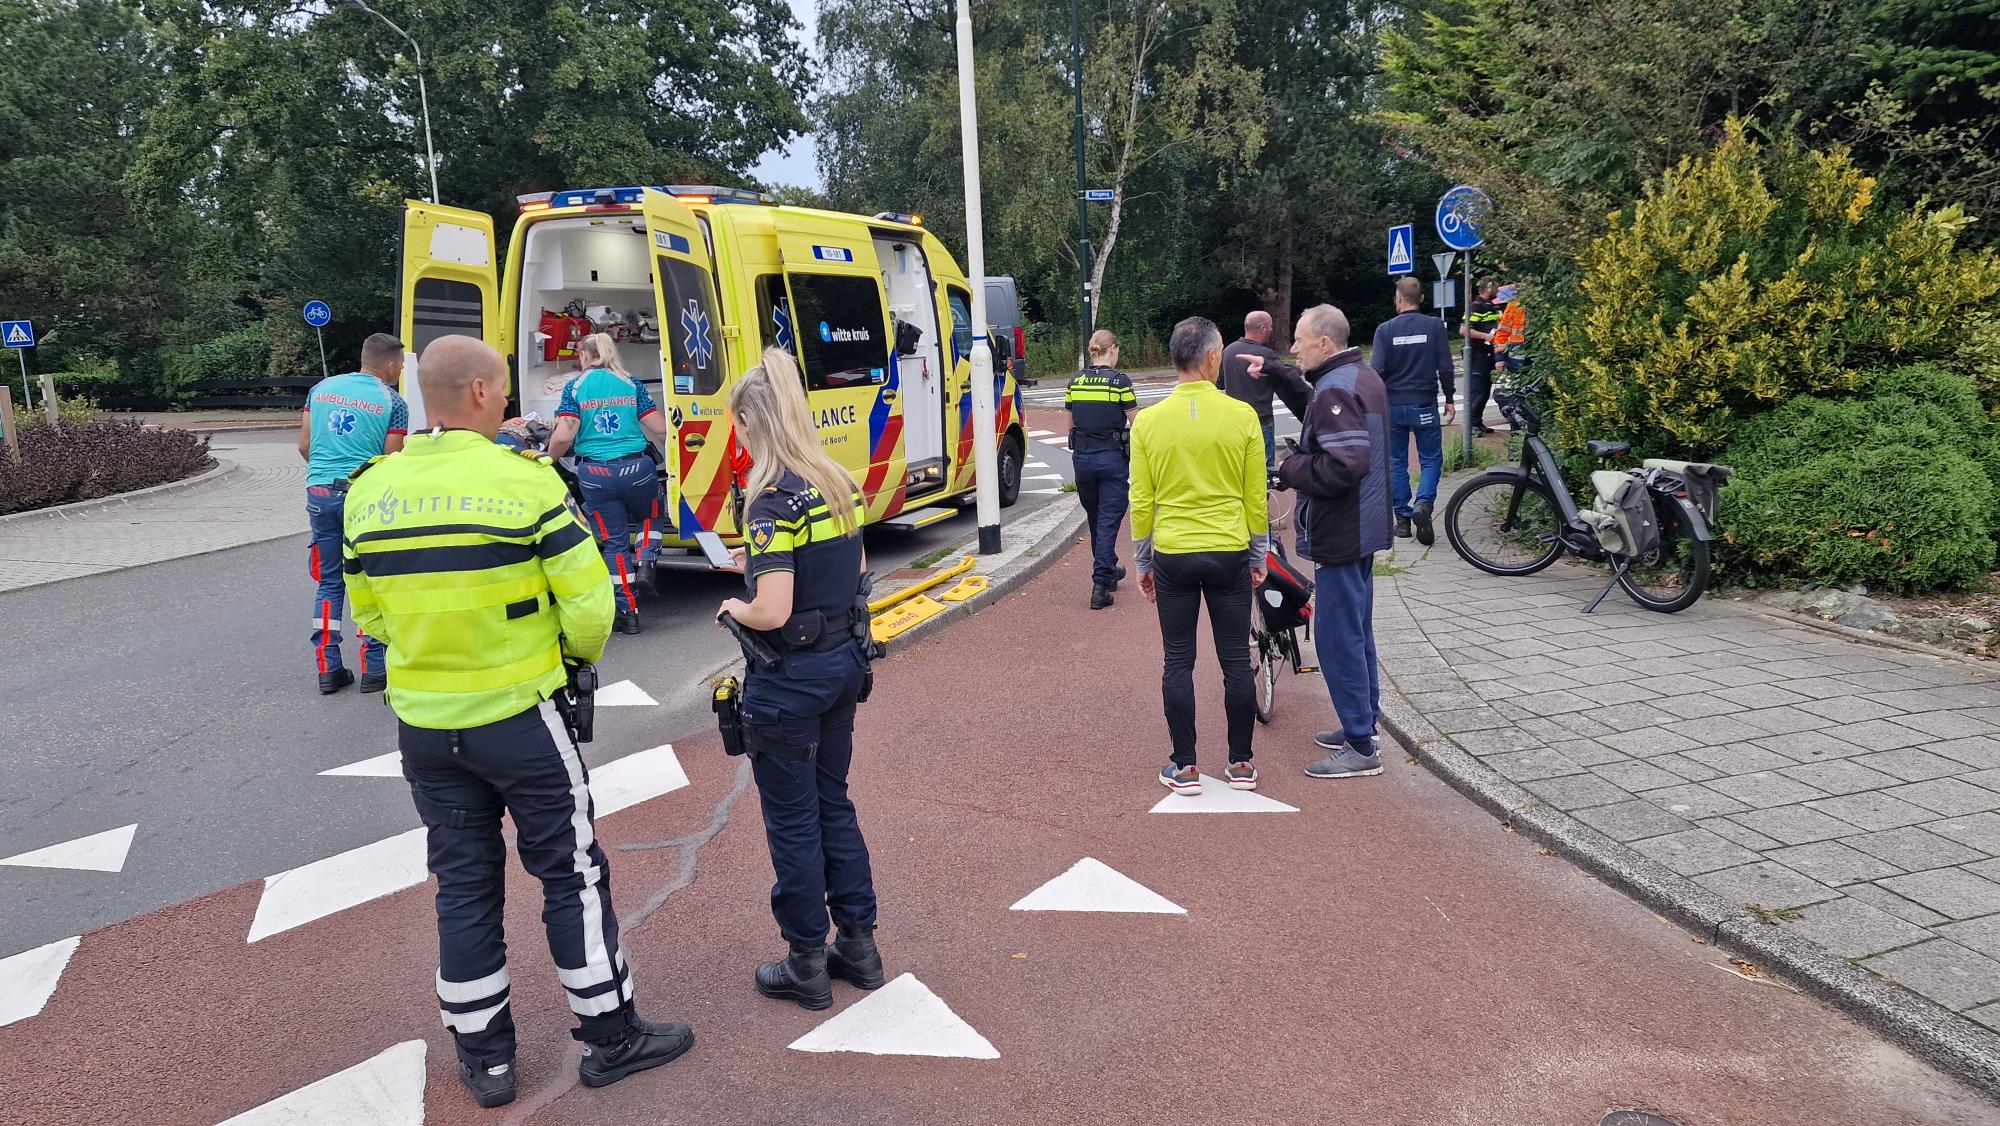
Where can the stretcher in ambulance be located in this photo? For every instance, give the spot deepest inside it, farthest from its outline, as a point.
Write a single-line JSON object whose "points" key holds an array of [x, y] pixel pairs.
{"points": [[694, 282]]}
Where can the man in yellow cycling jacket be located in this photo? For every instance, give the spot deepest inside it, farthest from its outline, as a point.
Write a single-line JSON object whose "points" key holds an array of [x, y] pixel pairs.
{"points": [[1201, 528], [468, 558]]}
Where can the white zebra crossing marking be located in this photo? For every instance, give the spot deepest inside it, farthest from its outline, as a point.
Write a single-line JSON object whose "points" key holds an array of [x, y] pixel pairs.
{"points": [[386, 1089], [98, 852], [29, 978]]}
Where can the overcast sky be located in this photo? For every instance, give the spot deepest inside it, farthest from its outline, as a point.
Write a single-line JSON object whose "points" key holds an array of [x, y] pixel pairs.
{"points": [[796, 163]]}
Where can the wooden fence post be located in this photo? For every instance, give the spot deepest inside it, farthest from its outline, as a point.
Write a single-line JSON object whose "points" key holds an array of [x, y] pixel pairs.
{"points": [[49, 402], [7, 435]]}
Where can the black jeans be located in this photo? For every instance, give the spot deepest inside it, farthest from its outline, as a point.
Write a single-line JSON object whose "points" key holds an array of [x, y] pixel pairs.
{"points": [[1478, 389], [1182, 582]]}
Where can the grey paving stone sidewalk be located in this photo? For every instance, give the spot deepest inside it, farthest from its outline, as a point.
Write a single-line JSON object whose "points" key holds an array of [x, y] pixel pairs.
{"points": [[263, 500], [1851, 791]]}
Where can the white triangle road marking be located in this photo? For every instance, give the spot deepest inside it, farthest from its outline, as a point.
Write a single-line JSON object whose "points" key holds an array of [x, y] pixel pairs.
{"points": [[381, 766], [1217, 797], [636, 778], [623, 694], [29, 978], [386, 1089], [98, 852], [313, 891], [903, 1018], [1092, 885]]}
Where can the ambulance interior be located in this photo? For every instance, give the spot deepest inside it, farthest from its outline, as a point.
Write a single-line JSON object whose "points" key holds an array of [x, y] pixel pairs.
{"points": [[581, 276], [906, 278]]}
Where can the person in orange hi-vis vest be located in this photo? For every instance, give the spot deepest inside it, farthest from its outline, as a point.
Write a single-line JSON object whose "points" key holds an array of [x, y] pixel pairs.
{"points": [[1511, 337]]}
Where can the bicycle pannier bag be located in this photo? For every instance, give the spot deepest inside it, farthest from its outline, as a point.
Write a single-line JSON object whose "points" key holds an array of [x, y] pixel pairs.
{"points": [[1625, 498], [1285, 596]]}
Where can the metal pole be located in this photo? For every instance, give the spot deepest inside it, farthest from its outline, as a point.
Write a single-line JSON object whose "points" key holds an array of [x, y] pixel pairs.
{"points": [[984, 445], [1465, 315], [423, 93], [321, 333], [1082, 207]]}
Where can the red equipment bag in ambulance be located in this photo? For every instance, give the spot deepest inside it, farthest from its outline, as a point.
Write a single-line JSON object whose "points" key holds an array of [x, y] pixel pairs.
{"points": [[560, 334], [1285, 596]]}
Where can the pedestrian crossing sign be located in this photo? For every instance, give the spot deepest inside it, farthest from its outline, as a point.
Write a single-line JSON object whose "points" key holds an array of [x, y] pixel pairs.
{"points": [[1402, 247], [17, 334]]}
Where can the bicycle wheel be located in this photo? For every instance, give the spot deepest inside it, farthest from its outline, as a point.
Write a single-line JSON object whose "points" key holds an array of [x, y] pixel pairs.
{"points": [[1504, 524], [1263, 675], [1674, 574]]}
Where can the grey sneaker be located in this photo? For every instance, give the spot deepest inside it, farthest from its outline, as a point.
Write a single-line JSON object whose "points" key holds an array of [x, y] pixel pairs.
{"points": [[1345, 763], [1335, 740]]}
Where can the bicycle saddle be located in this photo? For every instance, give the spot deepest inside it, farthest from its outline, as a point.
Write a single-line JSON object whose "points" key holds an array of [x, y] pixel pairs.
{"points": [[1609, 449]]}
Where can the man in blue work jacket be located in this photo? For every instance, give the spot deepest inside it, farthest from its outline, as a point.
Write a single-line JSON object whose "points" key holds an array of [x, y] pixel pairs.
{"points": [[1413, 354]]}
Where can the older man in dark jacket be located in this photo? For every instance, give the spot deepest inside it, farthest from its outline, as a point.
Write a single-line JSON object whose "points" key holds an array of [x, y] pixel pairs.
{"points": [[1341, 473]]}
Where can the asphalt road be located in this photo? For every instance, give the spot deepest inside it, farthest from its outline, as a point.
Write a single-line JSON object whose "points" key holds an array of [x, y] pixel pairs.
{"points": [[180, 696]]}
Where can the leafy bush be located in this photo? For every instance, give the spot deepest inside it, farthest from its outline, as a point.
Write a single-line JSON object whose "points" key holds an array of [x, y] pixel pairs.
{"points": [[241, 354], [1747, 277], [64, 464], [1897, 517], [71, 411], [1922, 407]]}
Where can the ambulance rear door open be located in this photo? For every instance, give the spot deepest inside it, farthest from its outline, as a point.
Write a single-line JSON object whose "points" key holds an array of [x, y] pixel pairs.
{"points": [[451, 286], [912, 293], [842, 329], [694, 366]]}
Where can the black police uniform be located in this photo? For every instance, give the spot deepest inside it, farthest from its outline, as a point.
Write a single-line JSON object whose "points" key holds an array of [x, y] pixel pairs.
{"points": [[1097, 400], [798, 725]]}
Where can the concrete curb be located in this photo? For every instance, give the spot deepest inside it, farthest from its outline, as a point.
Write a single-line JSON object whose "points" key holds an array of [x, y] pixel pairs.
{"points": [[1849, 633], [1955, 1045], [224, 472]]}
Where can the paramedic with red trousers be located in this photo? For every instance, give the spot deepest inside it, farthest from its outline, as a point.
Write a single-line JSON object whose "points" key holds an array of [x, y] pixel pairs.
{"points": [[606, 416], [348, 419]]}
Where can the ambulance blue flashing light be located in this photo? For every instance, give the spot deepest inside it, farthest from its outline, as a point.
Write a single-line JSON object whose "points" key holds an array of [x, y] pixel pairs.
{"points": [[900, 217], [631, 196]]}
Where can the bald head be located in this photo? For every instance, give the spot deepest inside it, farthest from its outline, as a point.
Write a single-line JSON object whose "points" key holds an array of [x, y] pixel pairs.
{"points": [[464, 384], [1257, 326]]}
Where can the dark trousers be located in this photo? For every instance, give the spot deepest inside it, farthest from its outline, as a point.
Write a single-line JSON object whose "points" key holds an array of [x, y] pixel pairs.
{"points": [[462, 780], [1478, 389], [798, 723], [1103, 484], [1344, 632], [619, 498], [1183, 582], [326, 507]]}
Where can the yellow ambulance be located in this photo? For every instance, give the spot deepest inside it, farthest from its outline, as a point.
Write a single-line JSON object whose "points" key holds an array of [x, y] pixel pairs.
{"points": [[695, 282]]}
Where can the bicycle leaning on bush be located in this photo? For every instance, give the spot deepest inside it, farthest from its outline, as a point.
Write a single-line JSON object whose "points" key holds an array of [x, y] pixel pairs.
{"points": [[1651, 524]]}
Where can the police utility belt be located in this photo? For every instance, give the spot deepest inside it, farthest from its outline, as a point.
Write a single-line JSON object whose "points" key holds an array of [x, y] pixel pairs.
{"points": [[1097, 441], [811, 631]]}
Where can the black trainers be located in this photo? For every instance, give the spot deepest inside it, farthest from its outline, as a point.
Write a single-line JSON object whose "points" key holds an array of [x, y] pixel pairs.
{"points": [[644, 1045], [802, 977], [334, 681], [1100, 597], [492, 1086], [374, 681], [1402, 527], [1426, 534], [854, 959], [627, 621]]}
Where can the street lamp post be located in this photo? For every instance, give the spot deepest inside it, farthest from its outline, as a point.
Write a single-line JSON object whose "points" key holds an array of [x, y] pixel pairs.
{"points": [[423, 94], [1082, 208], [985, 462]]}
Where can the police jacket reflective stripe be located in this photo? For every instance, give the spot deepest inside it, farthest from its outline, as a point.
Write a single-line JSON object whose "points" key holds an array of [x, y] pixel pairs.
{"points": [[788, 527], [1097, 400], [465, 556]]}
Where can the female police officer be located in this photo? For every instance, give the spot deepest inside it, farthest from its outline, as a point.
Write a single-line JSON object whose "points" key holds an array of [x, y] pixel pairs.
{"points": [[802, 529], [607, 415]]}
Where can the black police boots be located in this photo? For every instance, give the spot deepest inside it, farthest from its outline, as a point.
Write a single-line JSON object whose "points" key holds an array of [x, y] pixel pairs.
{"points": [[331, 682], [1426, 534], [854, 959], [801, 977], [642, 1045], [1402, 527], [1100, 597], [492, 1086], [626, 622], [372, 681]]}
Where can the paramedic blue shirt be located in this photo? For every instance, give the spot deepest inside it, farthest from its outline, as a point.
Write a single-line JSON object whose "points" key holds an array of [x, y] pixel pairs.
{"points": [[1413, 354], [607, 407], [351, 417]]}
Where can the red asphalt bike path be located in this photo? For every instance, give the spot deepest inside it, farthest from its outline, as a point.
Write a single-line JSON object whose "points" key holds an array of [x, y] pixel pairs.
{"points": [[1388, 954]]}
